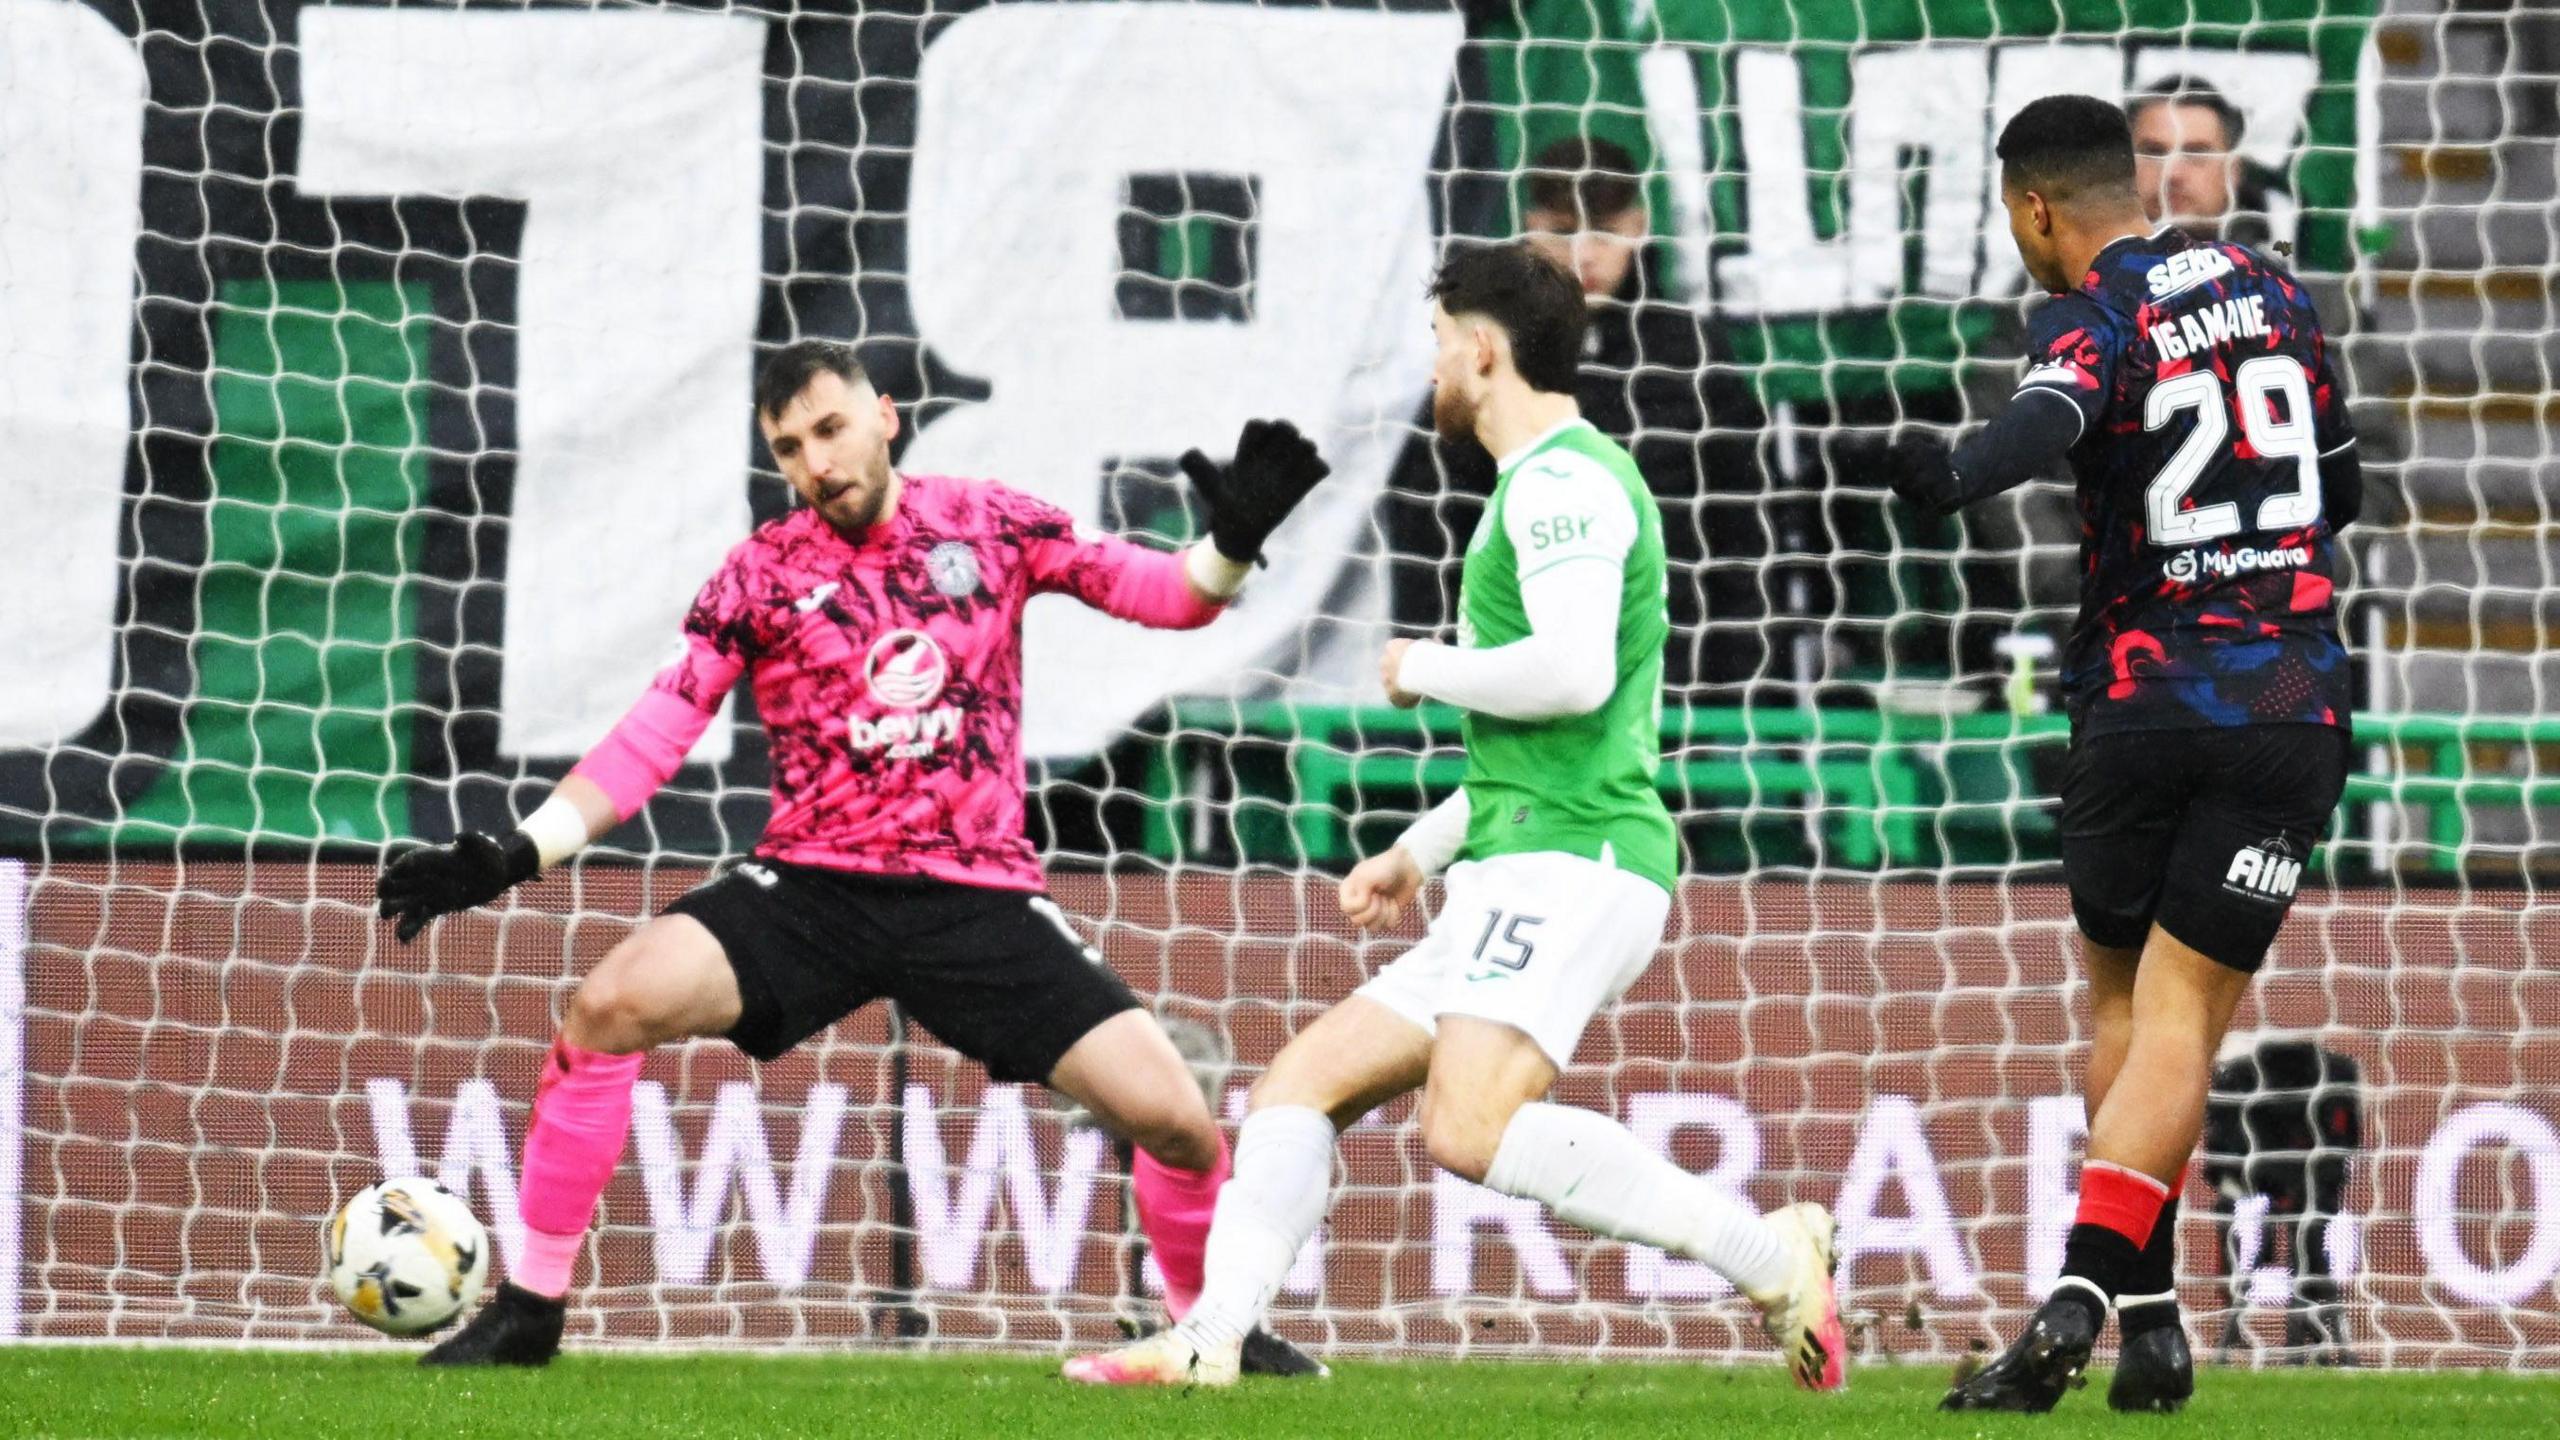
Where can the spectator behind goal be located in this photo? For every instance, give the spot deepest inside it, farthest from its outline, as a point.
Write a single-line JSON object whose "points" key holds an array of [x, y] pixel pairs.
{"points": [[1657, 377], [2187, 165]]}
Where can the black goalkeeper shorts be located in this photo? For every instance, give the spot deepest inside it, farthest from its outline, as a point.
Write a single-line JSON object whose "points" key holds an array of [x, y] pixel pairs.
{"points": [[998, 975], [2204, 832]]}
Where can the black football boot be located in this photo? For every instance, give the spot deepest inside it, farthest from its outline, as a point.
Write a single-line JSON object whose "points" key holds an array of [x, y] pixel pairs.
{"points": [[2032, 1375], [2155, 1374], [517, 1327], [1268, 1354]]}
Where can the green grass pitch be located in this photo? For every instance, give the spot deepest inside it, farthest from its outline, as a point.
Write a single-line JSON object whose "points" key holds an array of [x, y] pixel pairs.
{"points": [[280, 1395]]}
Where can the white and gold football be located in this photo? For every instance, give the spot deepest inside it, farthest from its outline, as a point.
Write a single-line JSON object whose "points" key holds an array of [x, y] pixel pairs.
{"points": [[406, 1256]]}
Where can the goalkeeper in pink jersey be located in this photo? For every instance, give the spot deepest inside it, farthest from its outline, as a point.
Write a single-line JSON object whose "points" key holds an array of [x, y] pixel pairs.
{"points": [[881, 627]]}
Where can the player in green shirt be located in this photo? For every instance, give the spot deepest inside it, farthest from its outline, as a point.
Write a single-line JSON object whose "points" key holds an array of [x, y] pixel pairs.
{"points": [[1565, 863]]}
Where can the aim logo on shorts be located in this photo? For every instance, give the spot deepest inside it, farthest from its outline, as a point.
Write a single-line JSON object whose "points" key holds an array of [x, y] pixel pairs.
{"points": [[2264, 871]]}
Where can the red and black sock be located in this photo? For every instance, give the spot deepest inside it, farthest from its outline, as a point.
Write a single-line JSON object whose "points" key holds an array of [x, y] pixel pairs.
{"points": [[2119, 1210], [2149, 1299]]}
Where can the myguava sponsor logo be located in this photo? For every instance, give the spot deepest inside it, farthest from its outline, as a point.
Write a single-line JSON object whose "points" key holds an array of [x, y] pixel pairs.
{"points": [[2188, 566]]}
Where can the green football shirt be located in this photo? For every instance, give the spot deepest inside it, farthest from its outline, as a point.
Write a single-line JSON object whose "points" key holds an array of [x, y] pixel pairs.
{"points": [[1579, 784]]}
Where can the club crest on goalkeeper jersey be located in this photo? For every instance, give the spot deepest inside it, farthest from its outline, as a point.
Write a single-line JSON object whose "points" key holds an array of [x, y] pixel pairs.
{"points": [[1577, 784], [888, 672], [2207, 396]]}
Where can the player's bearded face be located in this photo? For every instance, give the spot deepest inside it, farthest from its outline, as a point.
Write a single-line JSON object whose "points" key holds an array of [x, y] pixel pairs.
{"points": [[832, 443], [1453, 402], [1453, 414]]}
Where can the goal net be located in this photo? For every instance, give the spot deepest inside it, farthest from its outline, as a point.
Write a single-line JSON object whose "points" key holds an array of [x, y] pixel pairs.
{"points": [[374, 394]]}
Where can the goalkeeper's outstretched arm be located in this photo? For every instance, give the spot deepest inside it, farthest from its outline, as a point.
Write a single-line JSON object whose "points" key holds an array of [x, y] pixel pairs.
{"points": [[1245, 500], [607, 787]]}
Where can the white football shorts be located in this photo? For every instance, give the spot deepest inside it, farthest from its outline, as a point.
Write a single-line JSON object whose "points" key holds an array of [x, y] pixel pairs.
{"points": [[1540, 942]]}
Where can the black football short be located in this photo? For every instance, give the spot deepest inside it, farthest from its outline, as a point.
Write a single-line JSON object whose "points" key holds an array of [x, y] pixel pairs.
{"points": [[997, 975], [2204, 832]]}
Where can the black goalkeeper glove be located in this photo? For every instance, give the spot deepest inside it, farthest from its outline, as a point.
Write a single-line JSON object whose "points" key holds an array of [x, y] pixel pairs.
{"points": [[1918, 466], [2022, 442], [440, 879], [1274, 468]]}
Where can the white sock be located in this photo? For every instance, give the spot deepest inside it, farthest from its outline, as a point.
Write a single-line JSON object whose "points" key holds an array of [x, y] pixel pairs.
{"points": [[1269, 1206], [1586, 1168]]}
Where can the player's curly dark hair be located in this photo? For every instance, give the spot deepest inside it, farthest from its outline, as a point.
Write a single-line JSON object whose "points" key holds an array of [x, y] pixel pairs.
{"points": [[2066, 146], [1530, 296], [792, 367]]}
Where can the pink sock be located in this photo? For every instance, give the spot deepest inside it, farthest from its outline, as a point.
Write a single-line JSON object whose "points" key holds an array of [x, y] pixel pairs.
{"points": [[581, 1116], [544, 1264], [1174, 1209]]}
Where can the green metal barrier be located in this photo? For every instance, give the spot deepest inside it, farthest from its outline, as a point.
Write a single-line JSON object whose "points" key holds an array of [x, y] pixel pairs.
{"points": [[1871, 789], [2439, 776]]}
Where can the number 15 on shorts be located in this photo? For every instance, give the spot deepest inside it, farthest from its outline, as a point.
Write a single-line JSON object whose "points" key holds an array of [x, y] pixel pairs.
{"points": [[1506, 942]]}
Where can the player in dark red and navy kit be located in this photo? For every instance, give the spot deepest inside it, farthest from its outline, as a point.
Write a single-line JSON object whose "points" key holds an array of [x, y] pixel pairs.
{"points": [[2191, 389]]}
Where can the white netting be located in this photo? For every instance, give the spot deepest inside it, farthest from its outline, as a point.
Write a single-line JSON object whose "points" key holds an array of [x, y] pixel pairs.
{"points": [[373, 394]]}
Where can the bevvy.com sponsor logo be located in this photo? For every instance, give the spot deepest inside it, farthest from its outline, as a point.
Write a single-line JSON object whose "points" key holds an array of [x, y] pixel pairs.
{"points": [[906, 671]]}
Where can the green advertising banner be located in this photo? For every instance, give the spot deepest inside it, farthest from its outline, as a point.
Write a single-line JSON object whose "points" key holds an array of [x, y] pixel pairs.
{"points": [[1823, 167], [320, 559]]}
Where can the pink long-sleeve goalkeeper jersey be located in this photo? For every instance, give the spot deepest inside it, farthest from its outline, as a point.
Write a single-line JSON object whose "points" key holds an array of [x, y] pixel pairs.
{"points": [[888, 672]]}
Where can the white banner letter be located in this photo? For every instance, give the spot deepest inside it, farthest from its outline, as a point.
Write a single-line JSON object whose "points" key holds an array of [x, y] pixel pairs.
{"points": [[475, 1140], [734, 1145], [1927, 98], [71, 98], [1031, 119], [2055, 1125], [1457, 1208], [950, 1226], [1654, 1119], [2437, 1203], [1891, 1147], [636, 140]]}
